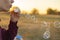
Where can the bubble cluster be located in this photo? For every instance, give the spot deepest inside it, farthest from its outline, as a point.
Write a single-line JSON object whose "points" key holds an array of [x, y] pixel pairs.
{"points": [[31, 17]]}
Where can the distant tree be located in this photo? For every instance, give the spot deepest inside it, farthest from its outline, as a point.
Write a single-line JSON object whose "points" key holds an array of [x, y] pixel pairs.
{"points": [[35, 11], [51, 11], [24, 12], [58, 12]]}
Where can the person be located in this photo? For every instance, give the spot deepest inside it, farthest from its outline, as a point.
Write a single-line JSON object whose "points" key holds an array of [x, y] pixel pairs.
{"points": [[9, 34]]}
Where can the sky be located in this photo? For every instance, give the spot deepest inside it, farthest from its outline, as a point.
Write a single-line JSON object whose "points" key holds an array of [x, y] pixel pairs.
{"points": [[41, 5]]}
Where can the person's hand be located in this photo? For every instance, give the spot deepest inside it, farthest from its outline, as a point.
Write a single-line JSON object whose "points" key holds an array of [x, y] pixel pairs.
{"points": [[15, 14]]}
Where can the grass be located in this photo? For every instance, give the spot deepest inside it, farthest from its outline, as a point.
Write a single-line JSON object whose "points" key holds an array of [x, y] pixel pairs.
{"points": [[31, 29]]}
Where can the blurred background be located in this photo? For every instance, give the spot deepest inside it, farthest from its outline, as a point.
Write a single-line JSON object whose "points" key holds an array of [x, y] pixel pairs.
{"points": [[39, 19]]}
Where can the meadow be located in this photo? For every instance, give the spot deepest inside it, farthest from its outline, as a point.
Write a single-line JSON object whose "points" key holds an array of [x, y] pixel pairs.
{"points": [[33, 27]]}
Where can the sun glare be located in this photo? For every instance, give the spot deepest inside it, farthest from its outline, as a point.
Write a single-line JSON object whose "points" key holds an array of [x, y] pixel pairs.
{"points": [[41, 5]]}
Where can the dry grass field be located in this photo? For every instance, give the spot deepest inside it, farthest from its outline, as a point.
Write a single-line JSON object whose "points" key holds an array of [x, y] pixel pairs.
{"points": [[33, 29]]}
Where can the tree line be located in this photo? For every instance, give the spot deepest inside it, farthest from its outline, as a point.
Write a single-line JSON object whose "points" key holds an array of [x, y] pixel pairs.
{"points": [[49, 11], [53, 12]]}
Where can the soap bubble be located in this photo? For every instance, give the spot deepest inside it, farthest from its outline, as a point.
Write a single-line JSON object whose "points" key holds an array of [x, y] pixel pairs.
{"points": [[57, 24], [28, 16], [18, 37], [46, 35], [44, 24], [34, 19]]}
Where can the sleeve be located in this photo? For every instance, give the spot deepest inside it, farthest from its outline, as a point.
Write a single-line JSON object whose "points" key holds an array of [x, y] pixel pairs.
{"points": [[12, 30]]}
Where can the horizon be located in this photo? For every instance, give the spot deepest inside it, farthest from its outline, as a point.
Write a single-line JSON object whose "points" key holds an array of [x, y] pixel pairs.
{"points": [[41, 5]]}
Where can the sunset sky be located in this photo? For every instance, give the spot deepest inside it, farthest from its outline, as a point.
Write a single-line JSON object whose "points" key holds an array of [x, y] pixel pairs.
{"points": [[41, 5]]}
